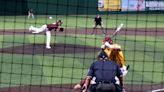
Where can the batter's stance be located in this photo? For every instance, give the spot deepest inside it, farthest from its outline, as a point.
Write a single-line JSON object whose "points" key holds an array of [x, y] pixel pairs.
{"points": [[48, 28], [114, 53]]}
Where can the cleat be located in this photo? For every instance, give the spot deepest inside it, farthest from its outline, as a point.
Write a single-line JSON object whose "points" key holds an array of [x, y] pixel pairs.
{"points": [[48, 47]]}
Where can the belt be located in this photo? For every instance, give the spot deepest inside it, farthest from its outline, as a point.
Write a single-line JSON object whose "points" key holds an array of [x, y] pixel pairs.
{"points": [[103, 82]]}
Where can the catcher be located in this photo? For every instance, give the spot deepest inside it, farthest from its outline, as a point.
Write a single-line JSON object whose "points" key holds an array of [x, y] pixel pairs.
{"points": [[48, 28], [114, 53]]}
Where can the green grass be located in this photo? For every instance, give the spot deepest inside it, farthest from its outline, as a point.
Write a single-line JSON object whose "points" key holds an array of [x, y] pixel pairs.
{"points": [[110, 21], [15, 40], [143, 57], [143, 53]]}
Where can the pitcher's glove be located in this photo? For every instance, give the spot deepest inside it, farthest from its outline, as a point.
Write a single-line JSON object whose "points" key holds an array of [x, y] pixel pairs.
{"points": [[61, 29]]}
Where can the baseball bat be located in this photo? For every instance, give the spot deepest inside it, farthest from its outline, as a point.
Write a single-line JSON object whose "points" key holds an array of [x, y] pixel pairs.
{"points": [[117, 30]]}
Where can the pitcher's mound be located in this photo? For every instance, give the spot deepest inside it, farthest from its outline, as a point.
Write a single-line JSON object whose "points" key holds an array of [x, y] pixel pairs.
{"points": [[58, 48]]}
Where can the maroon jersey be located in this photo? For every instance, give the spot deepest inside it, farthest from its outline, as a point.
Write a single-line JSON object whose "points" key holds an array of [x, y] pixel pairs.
{"points": [[52, 26]]}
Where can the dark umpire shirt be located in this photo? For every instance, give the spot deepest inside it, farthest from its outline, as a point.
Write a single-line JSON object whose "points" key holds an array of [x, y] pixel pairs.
{"points": [[104, 71], [98, 20]]}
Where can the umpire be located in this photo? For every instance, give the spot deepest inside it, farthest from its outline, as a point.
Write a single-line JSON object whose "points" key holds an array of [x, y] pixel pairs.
{"points": [[98, 22], [105, 72]]}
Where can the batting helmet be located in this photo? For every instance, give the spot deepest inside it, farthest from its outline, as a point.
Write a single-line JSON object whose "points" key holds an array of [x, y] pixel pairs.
{"points": [[108, 39]]}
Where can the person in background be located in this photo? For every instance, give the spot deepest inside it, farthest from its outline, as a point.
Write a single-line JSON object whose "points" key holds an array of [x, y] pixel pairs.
{"points": [[30, 14], [97, 22]]}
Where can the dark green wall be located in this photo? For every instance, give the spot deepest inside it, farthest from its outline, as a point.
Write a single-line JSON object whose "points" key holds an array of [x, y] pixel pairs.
{"points": [[13, 7], [63, 6], [20, 7]]}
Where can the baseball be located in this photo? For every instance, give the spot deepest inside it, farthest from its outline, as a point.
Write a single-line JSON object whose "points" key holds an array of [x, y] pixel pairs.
{"points": [[122, 24], [50, 17]]}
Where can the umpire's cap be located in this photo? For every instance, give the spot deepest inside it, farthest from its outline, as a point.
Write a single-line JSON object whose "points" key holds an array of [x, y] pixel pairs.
{"points": [[102, 55]]}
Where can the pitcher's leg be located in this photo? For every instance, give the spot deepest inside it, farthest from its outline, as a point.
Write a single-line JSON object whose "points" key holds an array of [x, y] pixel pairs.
{"points": [[34, 29], [43, 27], [38, 30], [48, 37]]}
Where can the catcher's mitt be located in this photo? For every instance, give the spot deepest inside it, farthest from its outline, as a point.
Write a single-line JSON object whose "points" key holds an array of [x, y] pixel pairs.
{"points": [[61, 29]]}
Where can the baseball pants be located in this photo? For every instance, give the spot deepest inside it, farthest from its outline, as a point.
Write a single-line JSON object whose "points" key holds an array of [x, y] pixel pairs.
{"points": [[38, 30], [48, 35]]}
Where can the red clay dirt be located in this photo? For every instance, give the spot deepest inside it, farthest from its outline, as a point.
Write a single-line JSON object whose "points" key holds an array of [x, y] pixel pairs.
{"points": [[124, 31], [55, 49]]}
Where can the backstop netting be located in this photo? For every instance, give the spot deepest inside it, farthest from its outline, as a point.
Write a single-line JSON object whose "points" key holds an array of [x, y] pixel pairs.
{"points": [[54, 61]]}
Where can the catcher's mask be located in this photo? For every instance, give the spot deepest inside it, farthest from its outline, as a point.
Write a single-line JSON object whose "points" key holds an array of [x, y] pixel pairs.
{"points": [[108, 39], [102, 56]]}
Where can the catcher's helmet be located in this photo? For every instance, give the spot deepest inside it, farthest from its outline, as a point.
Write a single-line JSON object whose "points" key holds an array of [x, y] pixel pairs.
{"points": [[102, 55], [108, 39]]}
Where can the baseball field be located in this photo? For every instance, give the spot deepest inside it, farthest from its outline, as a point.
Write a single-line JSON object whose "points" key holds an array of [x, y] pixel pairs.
{"points": [[27, 66]]}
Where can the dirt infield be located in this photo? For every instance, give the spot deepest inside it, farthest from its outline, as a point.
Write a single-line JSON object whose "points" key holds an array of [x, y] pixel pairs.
{"points": [[55, 49], [70, 48], [40, 88], [125, 31], [69, 88]]}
